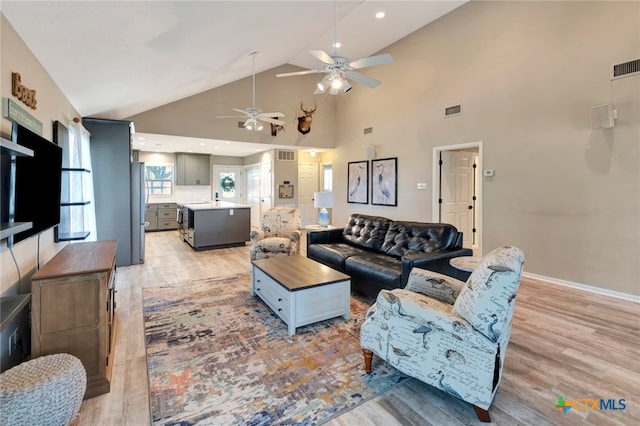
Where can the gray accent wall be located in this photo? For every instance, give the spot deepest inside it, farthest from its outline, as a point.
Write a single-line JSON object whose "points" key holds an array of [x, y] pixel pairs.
{"points": [[526, 74]]}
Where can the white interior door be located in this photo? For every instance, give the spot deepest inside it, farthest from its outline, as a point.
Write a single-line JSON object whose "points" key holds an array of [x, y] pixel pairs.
{"points": [[252, 193], [307, 185], [457, 193], [266, 185], [228, 183]]}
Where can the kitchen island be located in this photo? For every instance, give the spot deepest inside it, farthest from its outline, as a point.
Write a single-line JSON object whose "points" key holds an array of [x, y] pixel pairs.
{"points": [[216, 224]]}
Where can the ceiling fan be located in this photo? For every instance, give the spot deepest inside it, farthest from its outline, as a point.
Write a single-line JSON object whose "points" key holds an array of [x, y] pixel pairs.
{"points": [[339, 69], [252, 115]]}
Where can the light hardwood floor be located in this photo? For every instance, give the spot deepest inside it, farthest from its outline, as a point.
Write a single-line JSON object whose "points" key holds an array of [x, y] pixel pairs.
{"points": [[565, 342]]}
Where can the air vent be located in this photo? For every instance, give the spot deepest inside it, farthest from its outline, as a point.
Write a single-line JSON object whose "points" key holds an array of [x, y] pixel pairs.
{"points": [[626, 69], [241, 124], [286, 155], [453, 110], [368, 130]]}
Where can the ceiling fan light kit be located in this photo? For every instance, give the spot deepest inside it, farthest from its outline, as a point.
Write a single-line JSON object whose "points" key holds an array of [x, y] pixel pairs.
{"points": [[339, 69], [254, 115]]}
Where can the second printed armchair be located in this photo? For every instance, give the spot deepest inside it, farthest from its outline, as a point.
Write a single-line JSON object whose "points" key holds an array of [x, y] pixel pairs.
{"points": [[446, 333], [279, 234]]}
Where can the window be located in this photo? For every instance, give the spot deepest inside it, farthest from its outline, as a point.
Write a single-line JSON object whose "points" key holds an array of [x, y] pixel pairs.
{"points": [[159, 178], [327, 178]]}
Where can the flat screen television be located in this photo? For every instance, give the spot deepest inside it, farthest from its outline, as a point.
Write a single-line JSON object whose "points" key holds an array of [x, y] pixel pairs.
{"points": [[37, 183]]}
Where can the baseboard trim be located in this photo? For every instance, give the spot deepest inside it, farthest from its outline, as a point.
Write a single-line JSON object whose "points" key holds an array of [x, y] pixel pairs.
{"points": [[585, 287]]}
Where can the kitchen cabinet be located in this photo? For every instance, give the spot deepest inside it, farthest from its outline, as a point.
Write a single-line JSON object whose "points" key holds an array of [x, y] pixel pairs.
{"points": [[73, 309], [112, 184], [161, 216], [193, 169]]}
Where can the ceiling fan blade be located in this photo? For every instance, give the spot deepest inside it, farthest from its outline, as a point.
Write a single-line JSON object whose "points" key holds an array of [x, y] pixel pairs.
{"points": [[289, 74], [271, 120], [231, 116], [242, 111], [385, 58], [271, 114], [323, 56], [362, 79]]}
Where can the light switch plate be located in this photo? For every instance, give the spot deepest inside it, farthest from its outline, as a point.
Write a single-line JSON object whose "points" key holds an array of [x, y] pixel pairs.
{"points": [[488, 172]]}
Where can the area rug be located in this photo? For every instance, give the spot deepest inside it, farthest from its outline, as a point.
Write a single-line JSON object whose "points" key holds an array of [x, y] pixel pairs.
{"points": [[216, 355]]}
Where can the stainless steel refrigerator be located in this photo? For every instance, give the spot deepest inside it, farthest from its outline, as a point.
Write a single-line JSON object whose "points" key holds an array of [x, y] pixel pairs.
{"points": [[138, 201]]}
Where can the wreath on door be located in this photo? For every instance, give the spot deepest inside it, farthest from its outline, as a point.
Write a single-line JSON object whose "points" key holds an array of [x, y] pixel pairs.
{"points": [[227, 184]]}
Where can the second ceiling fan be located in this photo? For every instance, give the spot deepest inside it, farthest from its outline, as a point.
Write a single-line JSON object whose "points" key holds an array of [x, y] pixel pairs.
{"points": [[339, 69], [253, 115]]}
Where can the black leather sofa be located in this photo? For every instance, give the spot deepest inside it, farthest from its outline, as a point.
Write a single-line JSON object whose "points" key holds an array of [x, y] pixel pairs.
{"points": [[379, 253]]}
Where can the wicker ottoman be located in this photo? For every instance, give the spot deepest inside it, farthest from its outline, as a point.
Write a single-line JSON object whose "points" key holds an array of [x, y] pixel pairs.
{"points": [[43, 391]]}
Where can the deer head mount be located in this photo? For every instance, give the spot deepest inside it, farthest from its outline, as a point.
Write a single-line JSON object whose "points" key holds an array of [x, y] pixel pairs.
{"points": [[304, 121], [275, 128]]}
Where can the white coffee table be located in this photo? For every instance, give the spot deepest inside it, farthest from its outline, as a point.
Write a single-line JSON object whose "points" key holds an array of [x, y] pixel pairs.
{"points": [[301, 291]]}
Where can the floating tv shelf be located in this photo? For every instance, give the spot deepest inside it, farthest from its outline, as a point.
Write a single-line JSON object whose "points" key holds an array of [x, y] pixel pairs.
{"points": [[14, 150]]}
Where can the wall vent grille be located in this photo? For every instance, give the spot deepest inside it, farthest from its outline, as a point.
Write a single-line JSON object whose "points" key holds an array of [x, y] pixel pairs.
{"points": [[368, 130], [453, 110], [286, 155], [626, 68]]}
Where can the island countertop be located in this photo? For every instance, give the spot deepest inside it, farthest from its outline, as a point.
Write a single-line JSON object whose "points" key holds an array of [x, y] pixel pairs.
{"points": [[215, 205]]}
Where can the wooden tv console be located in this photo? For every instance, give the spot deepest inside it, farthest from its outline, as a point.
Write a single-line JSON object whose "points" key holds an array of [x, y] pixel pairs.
{"points": [[73, 309]]}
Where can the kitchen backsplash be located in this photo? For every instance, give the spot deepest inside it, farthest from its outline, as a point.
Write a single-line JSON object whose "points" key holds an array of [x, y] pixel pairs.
{"points": [[184, 194]]}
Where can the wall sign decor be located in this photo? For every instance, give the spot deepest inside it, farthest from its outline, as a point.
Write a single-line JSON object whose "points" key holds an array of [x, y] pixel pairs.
{"points": [[384, 182], [15, 112], [358, 182], [285, 191], [27, 96]]}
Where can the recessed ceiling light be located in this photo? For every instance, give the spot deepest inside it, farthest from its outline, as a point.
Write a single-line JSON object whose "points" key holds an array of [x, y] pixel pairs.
{"points": [[227, 142], [140, 138], [202, 144], [380, 15], [140, 143], [337, 45]]}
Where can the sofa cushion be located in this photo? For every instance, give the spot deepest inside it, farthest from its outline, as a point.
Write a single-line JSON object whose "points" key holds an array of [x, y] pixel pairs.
{"points": [[333, 254], [418, 236], [366, 231], [380, 269]]}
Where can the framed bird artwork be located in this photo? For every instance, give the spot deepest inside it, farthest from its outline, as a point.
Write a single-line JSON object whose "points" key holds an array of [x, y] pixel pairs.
{"points": [[384, 182], [358, 182]]}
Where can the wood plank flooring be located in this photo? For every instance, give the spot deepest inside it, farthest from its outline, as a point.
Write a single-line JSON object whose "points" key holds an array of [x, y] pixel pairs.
{"points": [[564, 342]]}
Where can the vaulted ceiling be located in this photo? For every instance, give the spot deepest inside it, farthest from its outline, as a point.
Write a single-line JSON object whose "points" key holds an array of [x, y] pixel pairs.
{"points": [[115, 59]]}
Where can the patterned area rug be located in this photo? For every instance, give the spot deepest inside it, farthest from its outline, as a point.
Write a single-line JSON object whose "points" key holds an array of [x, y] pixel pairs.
{"points": [[218, 355]]}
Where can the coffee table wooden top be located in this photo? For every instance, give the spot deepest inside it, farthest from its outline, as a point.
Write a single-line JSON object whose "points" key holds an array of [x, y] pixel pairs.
{"points": [[299, 272]]}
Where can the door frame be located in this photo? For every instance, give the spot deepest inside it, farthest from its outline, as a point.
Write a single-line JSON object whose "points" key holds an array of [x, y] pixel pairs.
{"points": [[435, 203]]}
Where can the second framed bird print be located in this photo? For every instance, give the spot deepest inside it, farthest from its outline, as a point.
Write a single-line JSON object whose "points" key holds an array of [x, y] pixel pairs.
{"points": [[384, 182]]}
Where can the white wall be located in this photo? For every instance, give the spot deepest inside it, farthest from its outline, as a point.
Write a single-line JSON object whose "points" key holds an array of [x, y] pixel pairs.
{"points": [[51, 105]]}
